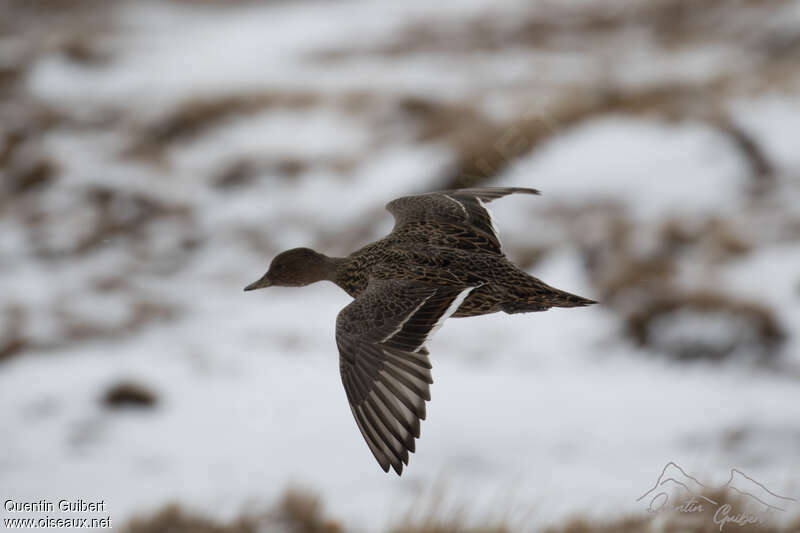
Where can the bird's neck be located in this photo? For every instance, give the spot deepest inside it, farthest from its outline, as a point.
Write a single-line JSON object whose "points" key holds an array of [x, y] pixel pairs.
{"points": [[330, 267], [344, 273]]}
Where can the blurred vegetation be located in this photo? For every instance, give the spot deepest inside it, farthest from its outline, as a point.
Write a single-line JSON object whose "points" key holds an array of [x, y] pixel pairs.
{"points": [[129, 394], [302, 512], [297, 512]]}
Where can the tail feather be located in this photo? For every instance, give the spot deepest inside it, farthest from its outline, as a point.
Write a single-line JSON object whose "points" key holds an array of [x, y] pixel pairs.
{"points": [[566, 299], [541, 297]]}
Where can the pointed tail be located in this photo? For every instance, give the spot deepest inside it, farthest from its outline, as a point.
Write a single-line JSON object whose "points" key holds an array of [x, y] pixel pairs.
{"points": [[539, 296]]}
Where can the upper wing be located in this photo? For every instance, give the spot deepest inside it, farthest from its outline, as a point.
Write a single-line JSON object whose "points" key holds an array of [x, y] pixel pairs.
{"points": [[384, 364], [457, 218]]}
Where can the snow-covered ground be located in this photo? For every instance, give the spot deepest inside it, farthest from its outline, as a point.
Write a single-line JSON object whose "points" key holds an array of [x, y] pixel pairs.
{"points": [[204, 138]]}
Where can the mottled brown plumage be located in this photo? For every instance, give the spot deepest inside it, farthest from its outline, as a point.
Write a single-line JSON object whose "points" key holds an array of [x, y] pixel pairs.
{"points": [[443, 258]]}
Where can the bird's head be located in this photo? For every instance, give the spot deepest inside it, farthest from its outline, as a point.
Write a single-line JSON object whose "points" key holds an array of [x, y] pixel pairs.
{"points": [[295, 268]]}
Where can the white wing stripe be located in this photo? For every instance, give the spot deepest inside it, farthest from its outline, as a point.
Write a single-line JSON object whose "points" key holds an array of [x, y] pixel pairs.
{"points": [[407, 318], [448, 313]]}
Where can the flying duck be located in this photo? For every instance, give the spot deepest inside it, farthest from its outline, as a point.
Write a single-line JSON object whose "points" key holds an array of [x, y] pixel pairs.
{"points": [[443, 258]]}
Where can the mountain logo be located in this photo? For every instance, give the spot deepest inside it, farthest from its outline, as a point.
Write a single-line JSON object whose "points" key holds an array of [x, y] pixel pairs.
{"points": [[678, 491]]}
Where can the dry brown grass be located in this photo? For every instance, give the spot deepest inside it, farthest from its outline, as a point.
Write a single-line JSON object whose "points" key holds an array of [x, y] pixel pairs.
{"points": [[451, 524], [28, 176], [670, 23], [76, 328], [12, 337], [433, 512], [446, 526], [751, 327], [301, 512], [634, 276], [696, 521], [718, 237], [129, 394], [73, 328], [110, 214], [640, 524], [243, 171], [648, 273], [621, 274], [485, 148], [173, 519], [24, 165], [195, 116], [84, 50], [297, 512], [10, 76]]}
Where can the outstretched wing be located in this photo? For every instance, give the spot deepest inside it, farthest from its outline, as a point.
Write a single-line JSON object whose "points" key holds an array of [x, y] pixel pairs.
{"points": [[457, 218], [384, 364]]}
